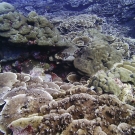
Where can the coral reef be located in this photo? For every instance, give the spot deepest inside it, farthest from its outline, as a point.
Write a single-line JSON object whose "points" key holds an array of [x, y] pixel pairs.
{"points": [[92, 116], [96, 58], [6, 7], [31, 30], [33, 106], [120, 80], [85, 87], [90, 36], [75, 23], [118, 14], [97, 51]]}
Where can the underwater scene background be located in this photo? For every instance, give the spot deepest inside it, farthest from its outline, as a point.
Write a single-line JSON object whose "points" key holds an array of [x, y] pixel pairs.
{"points": [[67, 67]]}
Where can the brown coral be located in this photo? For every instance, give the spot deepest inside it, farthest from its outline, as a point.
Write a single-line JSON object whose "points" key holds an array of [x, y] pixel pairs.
{"points": [[90, 115], [73, 110]]}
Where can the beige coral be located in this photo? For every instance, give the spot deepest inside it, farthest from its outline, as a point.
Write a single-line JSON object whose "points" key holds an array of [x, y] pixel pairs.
{"points": [[81, 41], [61, 108], [23, 124], [95, 58], [7, 79], [90, 115]]}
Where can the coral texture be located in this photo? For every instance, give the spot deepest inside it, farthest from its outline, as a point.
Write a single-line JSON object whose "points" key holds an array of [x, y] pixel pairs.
{"points": [[120, 80], [31, 30], [96, 58], [74, 23], [6, 7], [98, 97], [33, 106]]}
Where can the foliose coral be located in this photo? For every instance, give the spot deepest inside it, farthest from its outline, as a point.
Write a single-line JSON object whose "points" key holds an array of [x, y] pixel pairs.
{"points": [[75, 109]]}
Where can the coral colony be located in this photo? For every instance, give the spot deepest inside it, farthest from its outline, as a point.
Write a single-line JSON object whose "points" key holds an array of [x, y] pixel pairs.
{"points": [[64, 76]]}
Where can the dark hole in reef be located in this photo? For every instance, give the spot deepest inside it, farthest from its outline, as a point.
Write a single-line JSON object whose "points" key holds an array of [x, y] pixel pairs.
{"points": [[89, 58], [9, 131], [81, 116], [31, 23], [130, 82], [1, 106], [64, 31], [104, 63], [80, 7], [109, 92], [109, 115], [24, 107]]}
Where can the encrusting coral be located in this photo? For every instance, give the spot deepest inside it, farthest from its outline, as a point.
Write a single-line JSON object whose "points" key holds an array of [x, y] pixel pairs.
{"points": [[96, 58], [73, 110]]}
